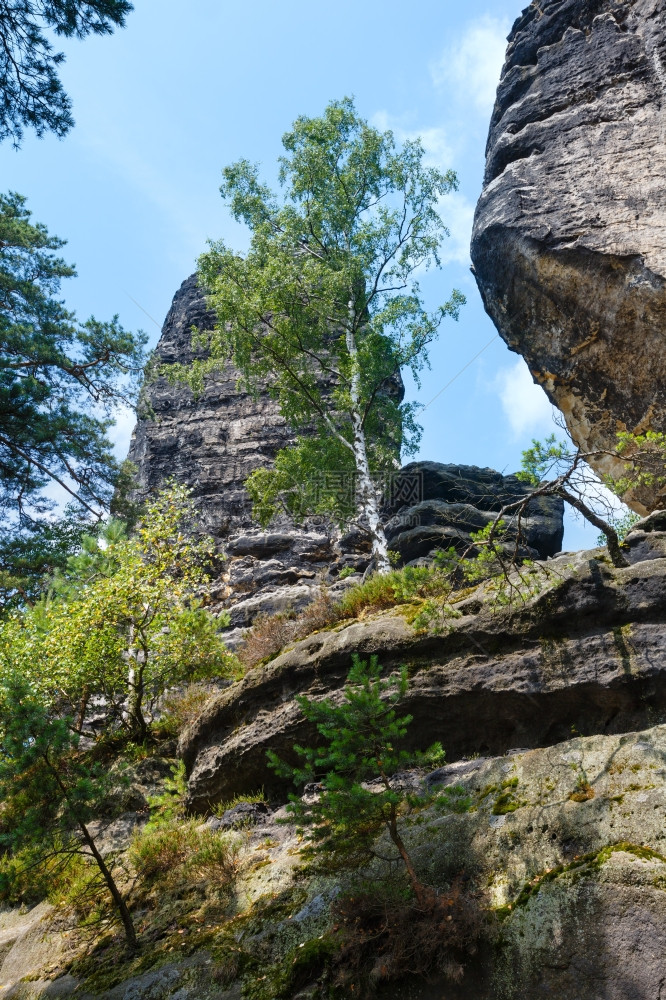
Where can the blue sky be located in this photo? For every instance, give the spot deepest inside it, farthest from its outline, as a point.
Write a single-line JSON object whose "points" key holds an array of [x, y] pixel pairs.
{"points": [[162, 106]]}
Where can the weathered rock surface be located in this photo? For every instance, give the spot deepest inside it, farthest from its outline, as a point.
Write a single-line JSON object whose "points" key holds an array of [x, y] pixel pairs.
{"points": [[456, 500], [588, 906], [31, 944], [569, 242], [212, 442], [589, 650], [579, 880]]}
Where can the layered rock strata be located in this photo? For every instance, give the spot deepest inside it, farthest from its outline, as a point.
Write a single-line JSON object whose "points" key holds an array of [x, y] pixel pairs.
{"points": [[588, 650], [455, 501], [213, 441], [569, 242]]}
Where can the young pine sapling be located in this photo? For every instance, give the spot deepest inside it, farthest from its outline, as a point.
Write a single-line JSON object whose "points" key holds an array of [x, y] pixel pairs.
{"points": [[361, 744]]}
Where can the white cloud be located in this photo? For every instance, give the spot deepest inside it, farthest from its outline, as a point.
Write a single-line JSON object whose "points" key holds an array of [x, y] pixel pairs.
{"points": [[469, 68], [525, 404], [121, 433], [438, 149], [458, 215]]}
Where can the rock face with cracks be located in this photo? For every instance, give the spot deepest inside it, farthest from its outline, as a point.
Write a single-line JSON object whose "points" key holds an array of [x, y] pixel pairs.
{"points": [[213, 441], [587, 651], [569, 241], [451, 502]]}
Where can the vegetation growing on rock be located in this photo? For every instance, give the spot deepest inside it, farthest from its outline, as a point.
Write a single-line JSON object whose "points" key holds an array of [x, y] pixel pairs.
{"points": [[326, 305], [123, 623]]}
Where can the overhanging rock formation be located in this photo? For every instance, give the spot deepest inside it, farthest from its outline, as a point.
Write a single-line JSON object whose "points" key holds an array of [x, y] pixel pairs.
{"points": [[569, 242]]}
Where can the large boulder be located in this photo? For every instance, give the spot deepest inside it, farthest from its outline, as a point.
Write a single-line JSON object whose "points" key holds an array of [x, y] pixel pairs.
{"points": [[451, 502], [569, 242]]}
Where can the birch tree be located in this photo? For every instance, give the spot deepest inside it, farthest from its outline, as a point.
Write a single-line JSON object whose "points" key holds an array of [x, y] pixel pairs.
{"points": [[124, 622], [325, 309]]}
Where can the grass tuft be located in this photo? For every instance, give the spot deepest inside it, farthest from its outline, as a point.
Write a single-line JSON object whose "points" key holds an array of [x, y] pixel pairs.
{"points": [[270, 634]]}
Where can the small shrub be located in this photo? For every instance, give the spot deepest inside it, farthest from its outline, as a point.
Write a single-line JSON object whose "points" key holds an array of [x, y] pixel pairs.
{"points": [[252, 797], [268, 635], [345, 573], [215, 859], [68, 881], [160, 850], [182, 708], [432, 758], [320, 614], [455, 799], [24, 878], [271, 633], [390, 589], [167, 806], [80, 889], [180, 851]]}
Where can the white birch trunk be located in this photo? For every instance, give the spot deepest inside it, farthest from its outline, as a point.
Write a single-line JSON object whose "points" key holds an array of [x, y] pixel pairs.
{"points": [[135, 687], [367, 493]]}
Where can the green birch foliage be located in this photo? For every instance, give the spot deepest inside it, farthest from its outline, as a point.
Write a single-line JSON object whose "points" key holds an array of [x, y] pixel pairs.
{"points": [[335, 257], [60, 379], [124, 620]]}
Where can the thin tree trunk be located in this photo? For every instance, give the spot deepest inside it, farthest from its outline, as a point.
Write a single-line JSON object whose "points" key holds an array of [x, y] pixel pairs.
{"points": [[135, 690], [83, 705], [116, 895], [135, 711], [392, 827], [416, 884], [367, 493], [612, 539]]}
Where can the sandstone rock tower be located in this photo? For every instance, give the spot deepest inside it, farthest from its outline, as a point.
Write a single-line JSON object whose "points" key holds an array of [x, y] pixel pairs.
{"points": [[212, 442]]}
